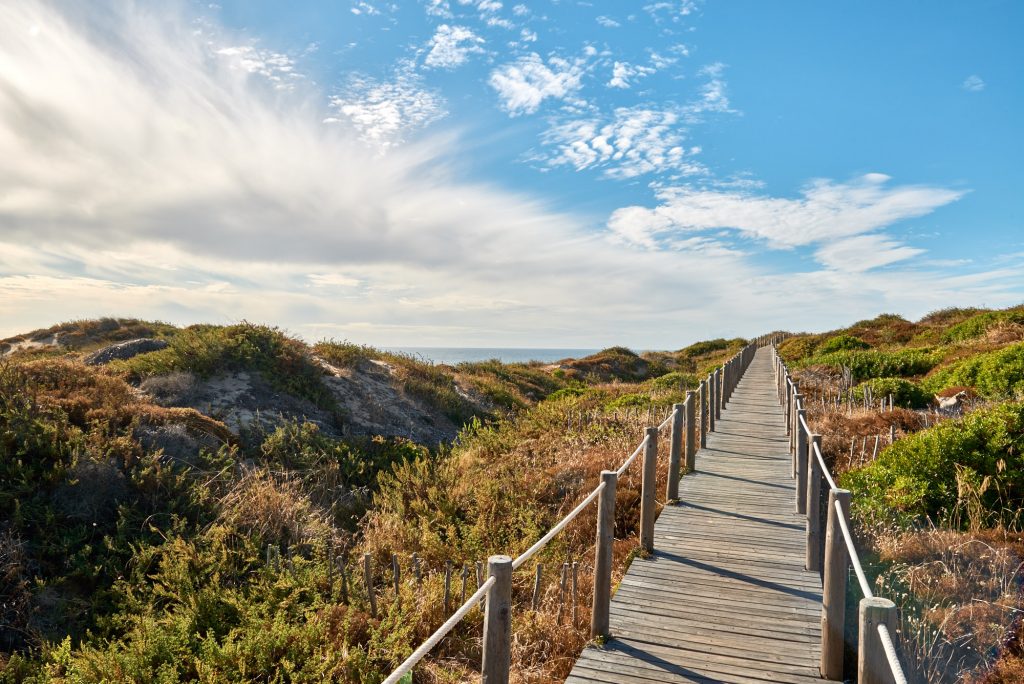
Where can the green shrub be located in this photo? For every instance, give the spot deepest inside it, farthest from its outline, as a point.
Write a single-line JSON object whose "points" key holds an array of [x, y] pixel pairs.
{"points": [[208, 350], [301, 447], [904, 392], [996, 374], [935, 474], [872, 363], [345, 354], [796, 349], [567, 393], [979, 324], [705, 347], [885, 329], [674, 381], [842, 343], [632, 400]]}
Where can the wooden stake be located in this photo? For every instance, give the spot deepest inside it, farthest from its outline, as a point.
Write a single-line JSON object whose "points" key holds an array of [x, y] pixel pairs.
{"points": [[447, 586], [368, 584], [575, 602], [536, 587]]}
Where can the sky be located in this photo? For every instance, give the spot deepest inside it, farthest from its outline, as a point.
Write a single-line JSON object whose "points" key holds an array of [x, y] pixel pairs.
{"points": [[485, 173]]}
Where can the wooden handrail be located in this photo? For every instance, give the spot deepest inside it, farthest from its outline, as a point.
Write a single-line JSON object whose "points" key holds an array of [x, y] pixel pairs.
{"points": [[714, 393], [877, 660]]}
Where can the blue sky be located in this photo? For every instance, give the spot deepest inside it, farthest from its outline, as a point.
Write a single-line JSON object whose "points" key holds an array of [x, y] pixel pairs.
{"points": [[509, 174]]}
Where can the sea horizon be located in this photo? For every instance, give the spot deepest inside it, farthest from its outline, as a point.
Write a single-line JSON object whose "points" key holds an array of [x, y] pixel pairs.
{"points": [[455, 355]]}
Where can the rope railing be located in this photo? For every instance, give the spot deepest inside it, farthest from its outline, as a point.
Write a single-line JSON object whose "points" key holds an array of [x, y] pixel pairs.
{"points": [[714, 392], [890, 654], [629, 461], [877, 657], [442, 631], [553, 532], [862, 579]]}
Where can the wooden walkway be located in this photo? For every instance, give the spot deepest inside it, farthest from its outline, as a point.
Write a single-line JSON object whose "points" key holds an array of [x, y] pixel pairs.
{"points": [[725, 597]]}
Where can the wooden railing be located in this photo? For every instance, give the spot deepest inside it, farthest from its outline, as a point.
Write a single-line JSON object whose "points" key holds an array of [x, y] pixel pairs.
{"points": [[700, 410], [877, 660]]}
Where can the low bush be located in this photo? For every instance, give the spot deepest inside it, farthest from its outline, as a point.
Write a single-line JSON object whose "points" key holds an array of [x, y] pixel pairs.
{"points": [[996, 374], [872, 363], [207, 350], [903, 391], [978, 325], [674, 381], [796, 350], [842, 343], [886, 329], [951, 473]]}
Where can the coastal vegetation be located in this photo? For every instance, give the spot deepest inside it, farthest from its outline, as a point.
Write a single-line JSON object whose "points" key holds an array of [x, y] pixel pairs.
{"points": [[203, 511], [937, 479]]}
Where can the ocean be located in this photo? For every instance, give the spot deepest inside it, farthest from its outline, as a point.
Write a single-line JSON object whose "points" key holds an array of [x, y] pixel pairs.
{"points": [[453, 355]]}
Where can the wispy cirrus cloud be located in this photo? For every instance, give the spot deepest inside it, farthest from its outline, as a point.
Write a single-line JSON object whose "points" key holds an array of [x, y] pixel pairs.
{"points": [[842, 218], [973, 84]]}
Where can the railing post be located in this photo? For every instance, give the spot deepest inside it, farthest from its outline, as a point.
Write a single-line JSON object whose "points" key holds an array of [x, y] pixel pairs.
{"points": [[800, 465], [647, 500], [813, 560], [712, 401], [789, 401], [700, 410], [368, 583], [720, 392], [498, 622], [833, 593], [675, 448], [794, 398], [603, 555], [872, 665], [691, 431]]}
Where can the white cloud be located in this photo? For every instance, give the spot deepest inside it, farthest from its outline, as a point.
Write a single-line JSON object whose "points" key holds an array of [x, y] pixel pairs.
{"points": [[520, 10], [713, 93], [826, 211], [276, 67], [863, 252], [364, 8], [674, 11], [607, 22], [385, 113], [635, 141], [622, 72], [438, 8], [451, 46], [333, 280], [524, 84], [973, 83], [659, 61], [145, 175]]}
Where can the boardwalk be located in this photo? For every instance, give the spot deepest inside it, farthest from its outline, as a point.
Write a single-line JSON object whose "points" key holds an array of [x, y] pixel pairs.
{"points": [[725, 597]]}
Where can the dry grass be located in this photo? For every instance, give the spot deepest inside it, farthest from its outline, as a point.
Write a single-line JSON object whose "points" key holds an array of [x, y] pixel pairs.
{"points": [[960, 597], [542, 476], [275, 509], [960, 592]]}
